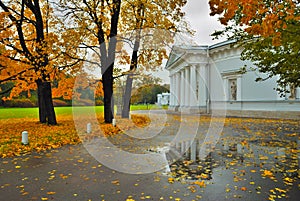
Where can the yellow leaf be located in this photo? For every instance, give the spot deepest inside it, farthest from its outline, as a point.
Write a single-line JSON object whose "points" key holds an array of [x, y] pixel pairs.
{"points": [[116, 182], [263, 158], [267, 173], [200, 183], [171, 180]]}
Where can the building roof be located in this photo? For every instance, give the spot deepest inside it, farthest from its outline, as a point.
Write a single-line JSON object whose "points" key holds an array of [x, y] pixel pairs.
{"points": [[177, 52]]}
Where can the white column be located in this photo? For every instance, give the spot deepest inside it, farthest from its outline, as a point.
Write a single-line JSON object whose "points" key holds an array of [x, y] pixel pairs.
{"points": [[193, 83], [182, 88], [177, 97], [226, 85], [202, 85], [239, 89], [172, 90], [187, 86]]}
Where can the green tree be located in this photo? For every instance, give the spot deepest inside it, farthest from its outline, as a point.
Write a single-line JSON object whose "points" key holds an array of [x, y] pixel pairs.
{"points": [[148, 93], [268, 31], [281, 61]]}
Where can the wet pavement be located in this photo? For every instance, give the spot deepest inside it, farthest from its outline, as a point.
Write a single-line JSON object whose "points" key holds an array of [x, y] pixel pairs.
{"points": [[247, 159]]}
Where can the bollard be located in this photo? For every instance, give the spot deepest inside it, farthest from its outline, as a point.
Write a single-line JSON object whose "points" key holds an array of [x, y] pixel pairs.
{"points": [[25, 137], [114, 122], [89, 128]]}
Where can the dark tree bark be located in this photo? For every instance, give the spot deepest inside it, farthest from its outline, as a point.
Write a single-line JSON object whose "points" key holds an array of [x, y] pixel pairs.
{"points": [[127, 96], [134, 62], [107, 81], [128, 87], [45, 103], [108, 62]]}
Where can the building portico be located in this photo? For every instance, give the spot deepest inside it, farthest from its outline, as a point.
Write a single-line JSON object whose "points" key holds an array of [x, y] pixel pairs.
{"points": [[206, 78]]}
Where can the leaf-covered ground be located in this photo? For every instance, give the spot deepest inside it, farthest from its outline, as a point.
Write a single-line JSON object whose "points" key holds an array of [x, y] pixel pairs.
{"points": [[43, 137], [254, 159]]}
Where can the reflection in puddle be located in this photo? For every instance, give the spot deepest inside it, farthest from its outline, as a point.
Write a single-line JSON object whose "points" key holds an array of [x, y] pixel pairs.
{"points": [[278, 156]]}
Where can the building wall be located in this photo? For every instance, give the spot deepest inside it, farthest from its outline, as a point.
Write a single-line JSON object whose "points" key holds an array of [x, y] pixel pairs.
{"points": [[219, 84]]}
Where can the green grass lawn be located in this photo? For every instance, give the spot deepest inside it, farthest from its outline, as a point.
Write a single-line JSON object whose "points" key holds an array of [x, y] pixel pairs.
{"points": [[6, 113]]}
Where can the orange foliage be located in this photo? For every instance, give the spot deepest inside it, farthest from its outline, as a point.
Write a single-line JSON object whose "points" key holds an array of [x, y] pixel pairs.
{"points": [[64, 89], [99, 89], [259, 17], [37, 51]]}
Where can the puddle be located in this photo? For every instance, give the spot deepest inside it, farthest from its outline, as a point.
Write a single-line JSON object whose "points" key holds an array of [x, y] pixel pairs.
{"points": [[280, 157]]}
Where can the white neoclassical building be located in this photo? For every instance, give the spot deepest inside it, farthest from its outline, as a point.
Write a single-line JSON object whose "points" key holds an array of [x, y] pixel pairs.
{"points": [[204, 79]]}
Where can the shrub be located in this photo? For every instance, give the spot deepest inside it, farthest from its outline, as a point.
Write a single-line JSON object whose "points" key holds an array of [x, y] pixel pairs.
{"points": [[99, 102], [59, 103], [83, 102], [24, 102]]}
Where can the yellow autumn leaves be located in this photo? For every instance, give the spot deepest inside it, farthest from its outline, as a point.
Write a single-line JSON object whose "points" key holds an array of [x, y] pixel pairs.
{"points": [[43, 137]]}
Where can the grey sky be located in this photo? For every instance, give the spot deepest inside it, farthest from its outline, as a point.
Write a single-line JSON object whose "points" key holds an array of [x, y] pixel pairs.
{"points": [[197, 13]]}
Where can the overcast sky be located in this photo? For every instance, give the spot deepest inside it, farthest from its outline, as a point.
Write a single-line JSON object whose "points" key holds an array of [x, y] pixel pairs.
{"points": [[197, 13]]}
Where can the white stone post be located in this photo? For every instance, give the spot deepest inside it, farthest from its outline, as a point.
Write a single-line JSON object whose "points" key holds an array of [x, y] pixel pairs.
{"points": [[24, 137], [89, 128], [113, 122]]}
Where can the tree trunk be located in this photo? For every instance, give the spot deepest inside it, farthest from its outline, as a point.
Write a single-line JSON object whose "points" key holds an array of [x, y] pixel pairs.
{"points": [[45, 103], [127, 96], [107, 62], [128, 87], [107, 79]]}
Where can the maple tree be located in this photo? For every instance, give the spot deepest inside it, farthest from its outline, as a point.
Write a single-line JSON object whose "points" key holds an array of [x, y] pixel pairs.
{"points": [[268, 30], [151, 26], [35, 49], [97, 21], [73, 86]]}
